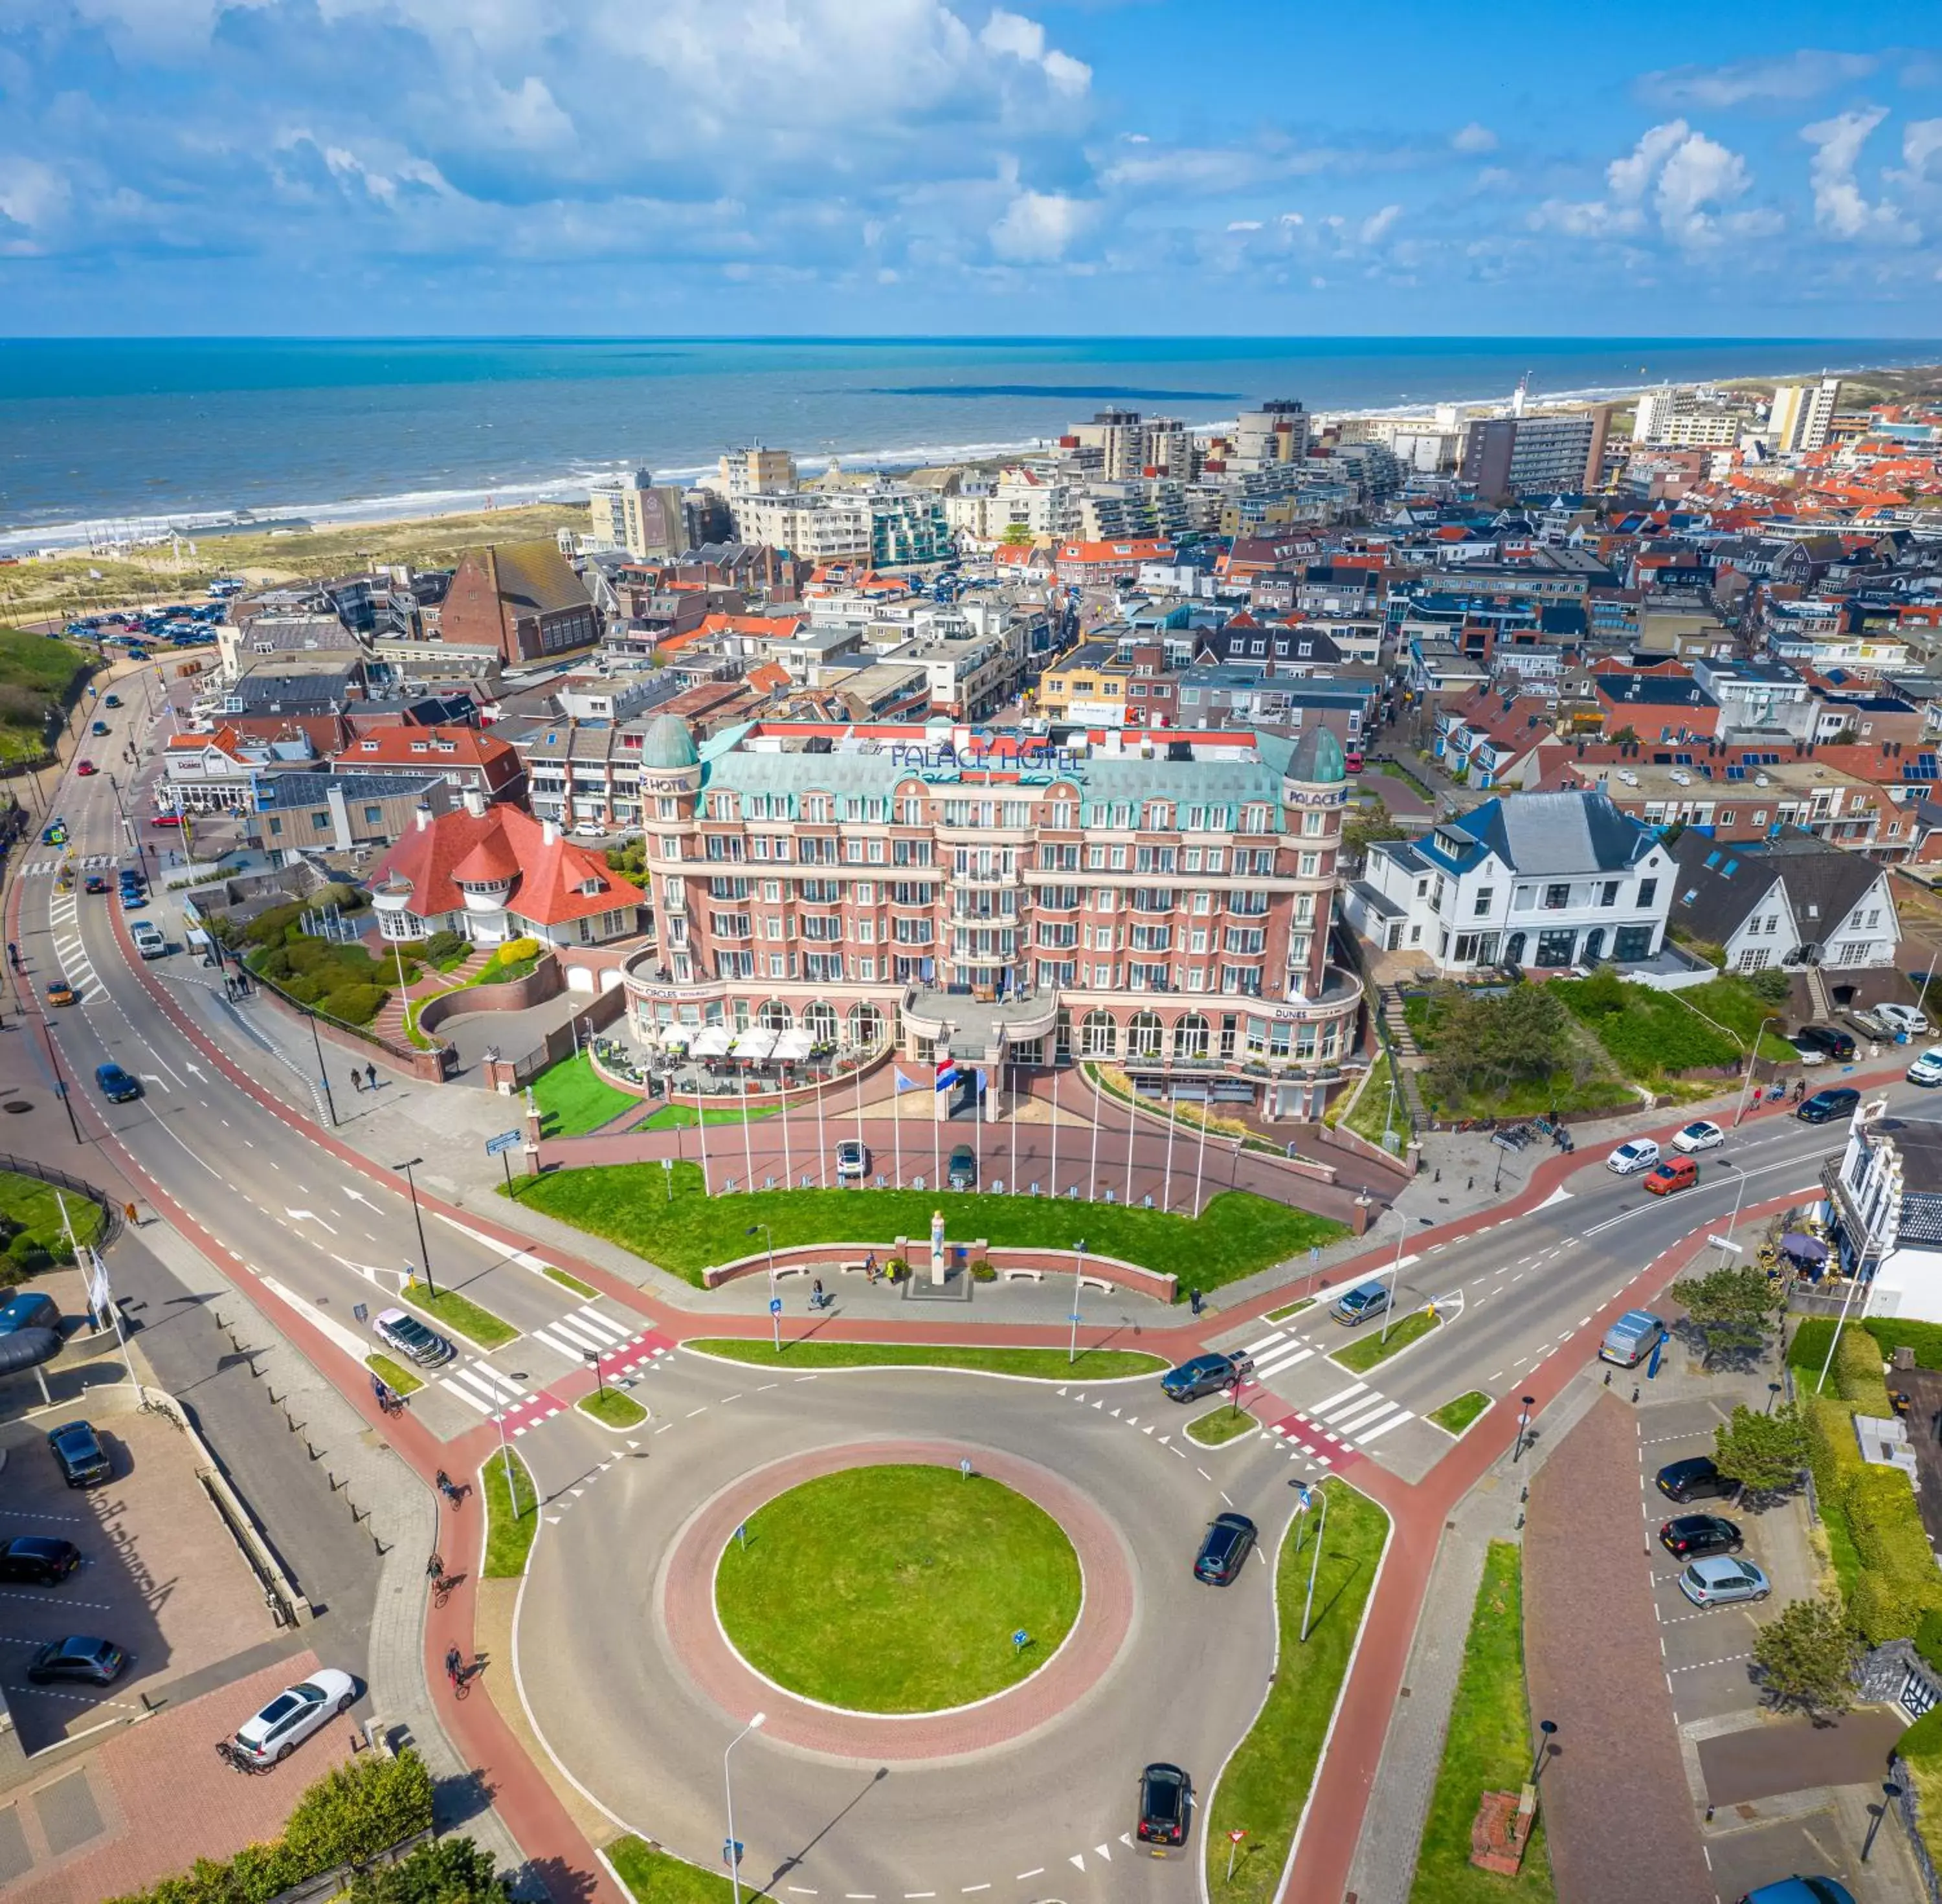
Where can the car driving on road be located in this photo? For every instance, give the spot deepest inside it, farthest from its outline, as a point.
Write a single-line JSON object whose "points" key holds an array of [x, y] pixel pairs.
{"points": [[1210, 1374], [116, 1085], [1355, 1306], [1641, 1153], [1224, 1552], [398, 1328], [1674, 1174], [1166, 1803], [1701, 1135], [1825, 1106], [1927, 1070]]}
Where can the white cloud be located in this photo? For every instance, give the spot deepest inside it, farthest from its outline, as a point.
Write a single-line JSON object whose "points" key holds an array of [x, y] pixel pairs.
{"points": [[1689, 179], [1038, 226], [1473, 138], [1243, 224], [1920, 142], [1840, 208], [32, 195], [1024, 39], [1804, 75], [1628, 178], [1700, 176], [1378, 223]]}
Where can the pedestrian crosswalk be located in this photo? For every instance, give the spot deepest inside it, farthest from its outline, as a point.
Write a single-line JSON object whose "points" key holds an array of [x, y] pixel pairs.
{"points": [[1351, 1418], [94, 862], [1276, 1352], [481, 1386], [584, 1332]]}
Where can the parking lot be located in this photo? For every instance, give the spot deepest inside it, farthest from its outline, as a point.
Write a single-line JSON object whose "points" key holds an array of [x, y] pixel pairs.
{"points": [[160, 1575]]}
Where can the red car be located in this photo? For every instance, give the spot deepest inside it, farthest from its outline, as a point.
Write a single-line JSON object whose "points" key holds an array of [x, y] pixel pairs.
{"points": [[167, 819], [84, 768], [1675, 1173]]}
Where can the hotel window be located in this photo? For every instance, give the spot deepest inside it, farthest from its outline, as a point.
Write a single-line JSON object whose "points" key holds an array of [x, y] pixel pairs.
{"points": [[1062, 814]]}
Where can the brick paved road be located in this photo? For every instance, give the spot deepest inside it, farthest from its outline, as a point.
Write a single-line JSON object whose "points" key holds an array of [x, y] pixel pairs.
{"points": [[1618, 1813]]}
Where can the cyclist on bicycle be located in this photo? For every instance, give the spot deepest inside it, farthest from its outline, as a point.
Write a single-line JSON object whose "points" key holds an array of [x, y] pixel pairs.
{"points": [[454, 1664]]}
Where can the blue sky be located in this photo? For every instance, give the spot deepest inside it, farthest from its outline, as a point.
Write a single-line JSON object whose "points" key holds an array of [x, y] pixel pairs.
{"points": [[871, 167]]}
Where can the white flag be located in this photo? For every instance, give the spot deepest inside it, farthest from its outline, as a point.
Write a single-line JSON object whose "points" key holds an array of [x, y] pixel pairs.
{"points": [[100, 1297]]}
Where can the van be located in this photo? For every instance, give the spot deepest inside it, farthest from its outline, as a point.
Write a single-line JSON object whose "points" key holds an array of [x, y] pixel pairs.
{"points": [[148, 942], [1632, 1338]]}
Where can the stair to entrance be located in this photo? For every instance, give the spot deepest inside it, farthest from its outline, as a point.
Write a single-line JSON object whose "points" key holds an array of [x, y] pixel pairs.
{"points": [[1817, 990], [1397, 1022]]}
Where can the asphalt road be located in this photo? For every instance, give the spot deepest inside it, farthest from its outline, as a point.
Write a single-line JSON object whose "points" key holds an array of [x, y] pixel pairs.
{"points": [[1050, 1816]]}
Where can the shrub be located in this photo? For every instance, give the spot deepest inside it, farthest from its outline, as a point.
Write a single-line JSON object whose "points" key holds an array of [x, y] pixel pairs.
{"points": [[270, 926], [275, 964], [1928, 1638], [29, 1254], [355, 1003], [1899, 1582], [306, 987], [1809, 1346], [1771, 986], [1858, 1372], [444, 945]]}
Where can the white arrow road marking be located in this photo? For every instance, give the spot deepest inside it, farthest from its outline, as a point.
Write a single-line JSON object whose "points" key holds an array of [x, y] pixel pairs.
{"points": [[194, 1071], [353, 1344], [371, 1272], [151, 1077], [359, 1196], [308, 1217]]}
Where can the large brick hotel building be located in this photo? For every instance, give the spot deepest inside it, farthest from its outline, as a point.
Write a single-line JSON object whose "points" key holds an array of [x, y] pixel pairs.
{"points": [[1163, 902]]}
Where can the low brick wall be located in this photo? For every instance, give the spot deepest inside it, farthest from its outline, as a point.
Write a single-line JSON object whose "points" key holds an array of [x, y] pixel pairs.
{"points": [[542, 983], [765, 1099], [815, 1258]]}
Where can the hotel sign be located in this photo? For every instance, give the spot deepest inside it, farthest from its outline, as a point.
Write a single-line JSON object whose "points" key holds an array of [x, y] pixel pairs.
{"points": [[1029, 755]]}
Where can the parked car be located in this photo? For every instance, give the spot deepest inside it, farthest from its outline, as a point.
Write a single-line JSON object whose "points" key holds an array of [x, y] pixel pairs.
{"points": [[1166, 1805], [1695, 1479], [1230, 1539], [1675, 1173], [166, 819], [1702, 1135], [78, 1454], [1902, 1018], [1641, 1153], [149, 940], [961, 1173], [1797, 1889], [1927, 1070], [100, 728], [1632, 1338], [1825, 1105], [85, 768], [133, 897], [1825, 1038], [399, 1330], [852, 1159], [1210, 1374], [38, 1560], [93, 1662], [1355, 1306], [1692, 1536], [29, 1308], [1721, 1580], [289, 1718]]}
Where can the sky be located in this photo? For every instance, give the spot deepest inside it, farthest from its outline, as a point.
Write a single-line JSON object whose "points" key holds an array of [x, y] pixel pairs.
{"points": [[875, 167]]}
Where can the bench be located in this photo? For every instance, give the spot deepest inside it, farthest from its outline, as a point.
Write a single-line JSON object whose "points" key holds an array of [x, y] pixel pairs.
{"points": [[1096, 1282], [1013, 1275], [795, 1269], [853, 1268]]}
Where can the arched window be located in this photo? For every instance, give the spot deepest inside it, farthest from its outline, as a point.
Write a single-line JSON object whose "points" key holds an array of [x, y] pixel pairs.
{"points": [[1189, 1036], [1098, 1036], [819, 1021], [774, 1016], [866, 1027], [1144, 1035]]}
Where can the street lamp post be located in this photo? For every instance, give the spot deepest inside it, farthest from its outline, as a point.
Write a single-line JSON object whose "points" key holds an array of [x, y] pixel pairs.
{"points": [[728, 1791], [424, 1254], [1078, 1275], [324, 1075], [1395, 1268], [1876, 1813], [1753, 1058], [1524, 1423], [1546, 1727], [1314, 1565]]}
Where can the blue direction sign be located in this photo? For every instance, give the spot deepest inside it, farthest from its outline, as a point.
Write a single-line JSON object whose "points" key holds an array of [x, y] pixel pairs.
{"points": [[775, 1305], [505, 1140]]}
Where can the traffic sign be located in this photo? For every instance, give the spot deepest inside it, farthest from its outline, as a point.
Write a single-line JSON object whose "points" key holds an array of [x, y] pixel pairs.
{"points": [[505, 1140], [732, 1849], [775, 1305]]}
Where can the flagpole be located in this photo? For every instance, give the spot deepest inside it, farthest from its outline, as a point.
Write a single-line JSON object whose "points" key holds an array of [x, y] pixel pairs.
{"points": [[859, 1108], [936, 1105], [1012, 1066], [821, 1149], [1092, 1169], [897, 1121], [978, 1122], [701, 1125], [1131, 1121], [1055, 1119], [748, 1148], [1200, 1160], [1166, 1192]]}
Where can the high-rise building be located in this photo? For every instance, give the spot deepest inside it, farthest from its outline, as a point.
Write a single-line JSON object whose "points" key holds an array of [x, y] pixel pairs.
{"points": [[1558, 451], [1277, 432], [1802, 413], [645, 519], [757, 472]]}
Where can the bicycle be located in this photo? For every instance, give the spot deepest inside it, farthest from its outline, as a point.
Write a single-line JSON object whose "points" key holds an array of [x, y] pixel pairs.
{"points": [[450, 1490], [236, 1759], [457, 1671], [442, 1582]]}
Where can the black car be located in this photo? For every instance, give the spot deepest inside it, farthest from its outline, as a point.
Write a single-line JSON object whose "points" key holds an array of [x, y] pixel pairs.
{"points": [[116, 1085], [1204, 1375], [1225, 1551], [1694, 1479], [1826, 1040], [38, 1561], [1838, 1100], [30, 1309], [1166, 1805], [1692, 1536], [95, 1662], [79, 1455], [962, 1174]]}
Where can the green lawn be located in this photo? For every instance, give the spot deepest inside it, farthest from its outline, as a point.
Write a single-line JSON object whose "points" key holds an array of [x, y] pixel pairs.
{"points": [[1372, 1113], [574, 1098], [36, 674], [681, 1116], [1589, 1083], [1455, 1416], [1237, 1234], [898, 1588], [656, 1878], [461, 1314], [1227, 1423], [614, 1407], [1043, 1364], [1361, 1357], [394, 1375], [509, 1535], [32, 1211], [573, 1283], [1283, 1314], [1488, 1748], [1266, 1781]]}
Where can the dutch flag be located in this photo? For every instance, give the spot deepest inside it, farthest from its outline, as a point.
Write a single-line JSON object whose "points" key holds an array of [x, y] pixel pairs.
{"points": [[947, 1071]]}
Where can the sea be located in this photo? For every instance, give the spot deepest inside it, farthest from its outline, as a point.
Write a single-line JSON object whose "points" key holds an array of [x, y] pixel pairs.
{"points": [[103, 439]]}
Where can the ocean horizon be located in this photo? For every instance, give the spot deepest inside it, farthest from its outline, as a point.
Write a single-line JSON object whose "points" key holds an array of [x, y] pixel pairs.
{"points": [[107, 437]]}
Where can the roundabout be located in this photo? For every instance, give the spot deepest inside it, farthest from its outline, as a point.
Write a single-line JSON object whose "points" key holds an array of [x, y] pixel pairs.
{"points": [[898, 1589], [902, 1753]]}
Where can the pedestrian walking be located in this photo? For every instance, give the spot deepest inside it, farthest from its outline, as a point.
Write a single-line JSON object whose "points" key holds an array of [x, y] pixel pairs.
{"points": [[1193, 1300], [1800, 1089], [356, 1081], [371, 1076], [133, 1218]]}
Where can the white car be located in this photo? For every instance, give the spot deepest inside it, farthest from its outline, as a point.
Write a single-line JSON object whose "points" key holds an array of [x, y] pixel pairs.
{"points": [[1927, 1070], [852, 1159], [1640, 1154], [1701, 1136], [148, 942], [294, 1715], [1902, 1018]]}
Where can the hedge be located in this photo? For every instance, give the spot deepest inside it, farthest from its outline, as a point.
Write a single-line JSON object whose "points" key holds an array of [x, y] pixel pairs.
{"points": [[1808, 1349], [1858, 1374], [349, 1815]]}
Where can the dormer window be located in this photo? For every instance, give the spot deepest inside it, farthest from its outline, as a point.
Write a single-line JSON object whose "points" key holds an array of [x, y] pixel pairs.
{"points": [[589, 887]]}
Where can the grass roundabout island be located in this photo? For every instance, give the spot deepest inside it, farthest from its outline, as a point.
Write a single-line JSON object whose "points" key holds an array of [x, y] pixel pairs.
{"points": [[897, 1589]]}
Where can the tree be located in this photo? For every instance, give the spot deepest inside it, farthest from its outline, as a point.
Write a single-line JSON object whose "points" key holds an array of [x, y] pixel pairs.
{"points": [[1370, 822], [1017, 535], [1806, 1658], [1763, 1453], [1731, 1306], [449, 1871]]}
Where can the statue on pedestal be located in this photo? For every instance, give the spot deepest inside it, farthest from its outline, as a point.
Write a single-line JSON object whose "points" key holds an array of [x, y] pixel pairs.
{"points": [[937, 1246]]}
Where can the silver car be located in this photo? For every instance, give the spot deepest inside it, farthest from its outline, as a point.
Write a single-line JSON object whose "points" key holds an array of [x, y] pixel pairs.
{"points": [[399, 1330], [1720, 1580]]}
